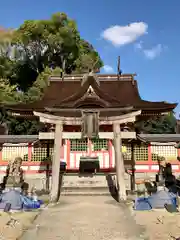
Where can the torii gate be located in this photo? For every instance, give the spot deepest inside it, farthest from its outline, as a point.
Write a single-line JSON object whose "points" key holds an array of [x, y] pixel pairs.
{"points": [[116, 121]]}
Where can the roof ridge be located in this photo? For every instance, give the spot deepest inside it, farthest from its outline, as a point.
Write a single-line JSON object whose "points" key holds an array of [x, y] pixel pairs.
{"points": [[122, 77]]}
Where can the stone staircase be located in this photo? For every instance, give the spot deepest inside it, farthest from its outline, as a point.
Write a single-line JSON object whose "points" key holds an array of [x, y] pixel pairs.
{"points": [[88, 185]]}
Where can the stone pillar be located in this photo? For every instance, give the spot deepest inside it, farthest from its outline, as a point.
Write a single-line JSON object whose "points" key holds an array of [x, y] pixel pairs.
{"points": [[54, 194], [119, 162]]}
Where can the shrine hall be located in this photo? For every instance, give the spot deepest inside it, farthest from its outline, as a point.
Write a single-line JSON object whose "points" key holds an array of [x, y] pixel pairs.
{"points": [[87, 117]]}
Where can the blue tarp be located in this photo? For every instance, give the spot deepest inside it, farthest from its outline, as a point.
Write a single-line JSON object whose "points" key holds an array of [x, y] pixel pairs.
{"points": [[18, 201], [29, 203], [13, 197], [142, 204], [156, 200], [160, 198]]}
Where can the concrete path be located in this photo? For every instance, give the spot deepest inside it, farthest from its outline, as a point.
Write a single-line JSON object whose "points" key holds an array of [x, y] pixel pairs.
{"points": [[85, 218]]}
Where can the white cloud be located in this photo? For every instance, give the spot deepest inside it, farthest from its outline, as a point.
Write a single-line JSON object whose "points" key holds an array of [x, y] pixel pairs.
{"points": [[150, 53], [108, 69], [138, 45], [153, 52], [121, 35]]}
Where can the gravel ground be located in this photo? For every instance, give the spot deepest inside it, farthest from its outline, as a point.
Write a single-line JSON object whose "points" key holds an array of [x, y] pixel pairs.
{"points": [[12, 225], [87, 218], [160, 225]]}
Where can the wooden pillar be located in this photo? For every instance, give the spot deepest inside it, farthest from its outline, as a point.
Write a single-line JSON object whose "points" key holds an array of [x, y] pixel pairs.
{"points": [[29, 152], [54, 194], [133, 163], [48, 165], [119, 162]]}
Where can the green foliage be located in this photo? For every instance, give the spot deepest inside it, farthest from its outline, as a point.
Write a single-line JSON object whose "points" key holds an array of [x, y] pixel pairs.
{"points": [[8, 93], [23, 126], [50, 43], [88, 58], [34, 51], [36, 92], [158, 125], [38, 44]]}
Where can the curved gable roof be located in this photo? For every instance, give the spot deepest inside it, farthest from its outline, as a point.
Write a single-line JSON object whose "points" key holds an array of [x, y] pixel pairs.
{"points": [[114, 92]]}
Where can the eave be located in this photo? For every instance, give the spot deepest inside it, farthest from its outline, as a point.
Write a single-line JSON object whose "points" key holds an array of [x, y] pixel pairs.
{"points": [[161, 138]]}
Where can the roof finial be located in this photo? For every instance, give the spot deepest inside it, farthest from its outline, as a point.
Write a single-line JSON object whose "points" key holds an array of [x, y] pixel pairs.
{"points": [[93, 70], [119, 68], [63, 67]]}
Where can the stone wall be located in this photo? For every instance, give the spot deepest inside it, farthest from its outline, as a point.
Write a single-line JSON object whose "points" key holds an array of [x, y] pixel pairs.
{"points": [[73, 180]]}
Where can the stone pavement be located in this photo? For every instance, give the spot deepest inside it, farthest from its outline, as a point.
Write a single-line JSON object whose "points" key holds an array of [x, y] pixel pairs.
{"points": [[86, 218]]}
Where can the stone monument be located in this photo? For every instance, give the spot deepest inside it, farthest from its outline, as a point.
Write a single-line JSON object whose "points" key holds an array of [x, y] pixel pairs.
{"points": [[160, 178], [14, 174]]}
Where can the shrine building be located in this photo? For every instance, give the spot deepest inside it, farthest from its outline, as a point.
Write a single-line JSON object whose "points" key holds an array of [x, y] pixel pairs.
{"points": [[87, 117]]}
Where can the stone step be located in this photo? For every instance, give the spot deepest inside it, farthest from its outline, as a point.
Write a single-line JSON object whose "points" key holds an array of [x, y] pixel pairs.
{"points": [[85, 186], [90, 188], [80, 185], [98, 191], [69, 180], [85, 194]]}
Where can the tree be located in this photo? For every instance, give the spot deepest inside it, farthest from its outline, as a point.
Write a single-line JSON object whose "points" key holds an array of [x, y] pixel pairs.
{"points": [[23, 126], [158, 125], [6, 52], [19, 126], [37, 49], [50, 43], [36, 91], [88, 58]]}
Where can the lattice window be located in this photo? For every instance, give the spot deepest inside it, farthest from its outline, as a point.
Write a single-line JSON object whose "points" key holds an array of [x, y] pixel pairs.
{"points": [[39, 154], [141, 152], [10, 151], [40, 151], [78, 145], [127, 154], [99, 145], [168, 152], [25, 158], [51, 151]]}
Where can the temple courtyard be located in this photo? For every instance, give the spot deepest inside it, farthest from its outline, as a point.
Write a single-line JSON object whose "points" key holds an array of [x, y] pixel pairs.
{"points": [[87, 218], [101, 217]]}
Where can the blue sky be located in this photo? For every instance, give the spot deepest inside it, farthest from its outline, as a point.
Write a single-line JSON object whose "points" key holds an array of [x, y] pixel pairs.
{"points": [[146, 34]]}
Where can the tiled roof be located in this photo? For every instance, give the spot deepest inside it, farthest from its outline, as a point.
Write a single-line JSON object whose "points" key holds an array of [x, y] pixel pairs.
{"points": [[18, 138], [159, 137], [117, 93]]}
